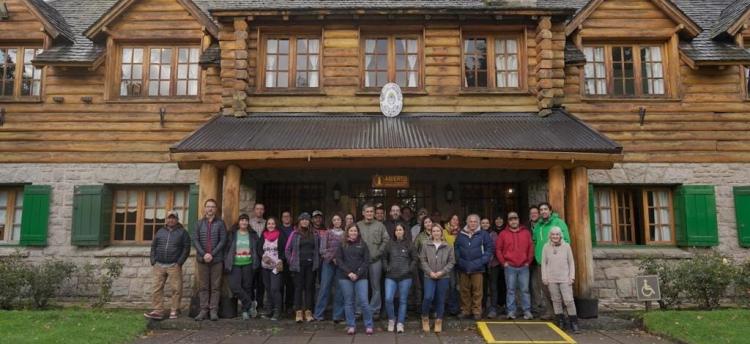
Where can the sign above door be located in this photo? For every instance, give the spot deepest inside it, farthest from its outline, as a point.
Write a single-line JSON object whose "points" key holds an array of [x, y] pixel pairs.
{"points": [[390, 182]]}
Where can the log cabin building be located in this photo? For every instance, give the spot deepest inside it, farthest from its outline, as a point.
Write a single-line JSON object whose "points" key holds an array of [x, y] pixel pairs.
{"points": [[629, 116]]}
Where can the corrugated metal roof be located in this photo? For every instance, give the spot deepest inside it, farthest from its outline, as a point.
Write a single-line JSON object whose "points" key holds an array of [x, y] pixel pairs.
{"points": [[558, 132]]}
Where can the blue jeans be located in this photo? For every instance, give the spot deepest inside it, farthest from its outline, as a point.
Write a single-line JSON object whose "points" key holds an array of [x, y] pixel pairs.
{"points": [[358, 290], [327, 278], [403, 296], [452, 298], [434, 292], [517, 278]]}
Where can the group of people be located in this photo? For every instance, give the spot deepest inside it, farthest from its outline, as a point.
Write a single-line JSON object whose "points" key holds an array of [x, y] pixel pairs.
{"points": [[275, 265]]}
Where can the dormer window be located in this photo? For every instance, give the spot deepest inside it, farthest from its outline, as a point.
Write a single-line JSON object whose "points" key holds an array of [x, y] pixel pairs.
{"points": [[624, 70], [18, 77], [165, 71]]}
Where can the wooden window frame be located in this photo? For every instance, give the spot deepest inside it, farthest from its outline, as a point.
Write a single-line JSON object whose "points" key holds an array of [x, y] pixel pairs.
{"points": [[491, 37], [10, 214], [292, 71], [637, 71], [145, 74], [391, 58], [18, 81], [140, 224], [636, 191]]}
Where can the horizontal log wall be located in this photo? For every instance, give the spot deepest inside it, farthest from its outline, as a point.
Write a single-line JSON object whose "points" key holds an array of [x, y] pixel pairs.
{"points": [[106, 130], [22, 25], [704, 121]]}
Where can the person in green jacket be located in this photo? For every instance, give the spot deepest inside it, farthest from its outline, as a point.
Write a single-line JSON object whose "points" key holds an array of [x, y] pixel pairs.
{"points": [[547, 220]]}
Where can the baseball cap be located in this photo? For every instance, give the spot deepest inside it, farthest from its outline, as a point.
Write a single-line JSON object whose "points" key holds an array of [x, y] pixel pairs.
{"points": [[317, 213], [173, 213]]}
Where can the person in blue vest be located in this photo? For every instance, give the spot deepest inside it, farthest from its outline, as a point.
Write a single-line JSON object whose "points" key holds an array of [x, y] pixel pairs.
{"points": [[474, 249]]}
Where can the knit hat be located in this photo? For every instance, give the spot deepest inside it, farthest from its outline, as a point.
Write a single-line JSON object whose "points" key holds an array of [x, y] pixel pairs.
{"points": [[304, 216]]}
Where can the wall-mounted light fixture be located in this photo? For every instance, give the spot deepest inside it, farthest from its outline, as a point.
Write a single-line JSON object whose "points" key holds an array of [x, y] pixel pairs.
{"points": [[642, 114], [336, 193], [87, 99], [4, 14], [449, 193], [58, 99], [162, 114]]}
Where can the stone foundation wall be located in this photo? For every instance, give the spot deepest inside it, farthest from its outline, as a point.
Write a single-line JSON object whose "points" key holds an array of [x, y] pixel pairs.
{"points": [[616, 267]]}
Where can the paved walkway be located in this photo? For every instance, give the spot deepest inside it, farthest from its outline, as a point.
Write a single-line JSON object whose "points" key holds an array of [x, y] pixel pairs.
{"points": [[286, 332]]}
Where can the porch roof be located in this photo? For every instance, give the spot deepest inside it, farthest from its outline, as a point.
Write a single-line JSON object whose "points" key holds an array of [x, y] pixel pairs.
{"points": [[273, 136]]}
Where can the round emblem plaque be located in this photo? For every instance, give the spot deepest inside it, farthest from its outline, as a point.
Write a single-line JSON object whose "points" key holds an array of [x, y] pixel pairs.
{"points": [[391, 100]]}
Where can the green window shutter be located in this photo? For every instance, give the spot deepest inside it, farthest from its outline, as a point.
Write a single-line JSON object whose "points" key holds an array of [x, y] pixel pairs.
{"points": [[742, 211], [35, 215], [192, 215], [592, 214], [695, 216], [92, 215]]}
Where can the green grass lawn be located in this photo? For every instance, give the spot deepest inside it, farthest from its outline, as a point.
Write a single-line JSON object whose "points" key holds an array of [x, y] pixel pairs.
{"points": [[698, 327], [71, 326]]}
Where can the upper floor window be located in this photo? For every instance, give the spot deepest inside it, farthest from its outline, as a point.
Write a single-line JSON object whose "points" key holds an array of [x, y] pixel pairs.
{"points": [[391, 58], [11, 207], [18, 77], [624, 70], [140, 211], [292, 62], [159, 71], [492, 62], [633, 215]]}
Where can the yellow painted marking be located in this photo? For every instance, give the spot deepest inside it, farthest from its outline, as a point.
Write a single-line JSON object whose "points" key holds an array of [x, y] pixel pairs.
{"points": [[490, 339]]}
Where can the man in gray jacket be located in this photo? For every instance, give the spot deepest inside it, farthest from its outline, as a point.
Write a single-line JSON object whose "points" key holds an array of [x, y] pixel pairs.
{"points": [[169, 250], [210, 238], [375, 236]]}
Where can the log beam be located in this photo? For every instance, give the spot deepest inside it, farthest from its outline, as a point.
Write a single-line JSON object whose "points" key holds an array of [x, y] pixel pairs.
{"points": [[577, 205], [556, 189], [208, 184], [230, 201]]}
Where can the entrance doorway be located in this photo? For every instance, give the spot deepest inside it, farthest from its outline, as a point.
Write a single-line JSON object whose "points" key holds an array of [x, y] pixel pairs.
{"points": [[418, 195]]}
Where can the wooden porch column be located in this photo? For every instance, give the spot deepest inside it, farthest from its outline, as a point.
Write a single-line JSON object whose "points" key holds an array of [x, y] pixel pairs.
{"points": [[208, 186], [556, 189], [230, 202], [577, 204]]}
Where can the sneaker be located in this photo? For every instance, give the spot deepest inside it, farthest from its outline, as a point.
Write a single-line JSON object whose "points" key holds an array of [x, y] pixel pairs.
{"points": [[156, 315], [173, 315], [245, 316], [492, 314], [399, 328], [253, 309], [275, 316], [391, 325], [350, 331], [214, 316], [511, 316], [201, 316], [368, 331], [527, 315]]}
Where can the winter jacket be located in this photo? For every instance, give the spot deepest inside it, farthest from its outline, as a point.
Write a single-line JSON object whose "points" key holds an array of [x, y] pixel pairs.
{"points": [[448, 236], [473, 250], [375, 235], [399, 259], [557, 263], [422, 239], [541, 233], [279, 248], [232, 249], [352, 257], [515, 248], [170, 246], [218, 239], [329, 243], [493, 260], [435, 259], [292, 250]]}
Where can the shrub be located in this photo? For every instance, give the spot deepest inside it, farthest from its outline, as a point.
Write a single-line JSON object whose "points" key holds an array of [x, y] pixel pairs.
{"points": [[45, 279], [742, 283], [109, 271], [12, 272], [706, 278]]}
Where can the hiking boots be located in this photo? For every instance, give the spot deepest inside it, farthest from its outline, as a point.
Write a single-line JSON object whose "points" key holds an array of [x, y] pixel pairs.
{"points": [[574, 324], [201, 316], [425, 324], [560, 321], [214, 315], [438, 325], [298, 316]]}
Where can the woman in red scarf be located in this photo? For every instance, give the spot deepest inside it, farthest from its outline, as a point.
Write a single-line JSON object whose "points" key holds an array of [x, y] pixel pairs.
{"points": [[271, 245]]}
